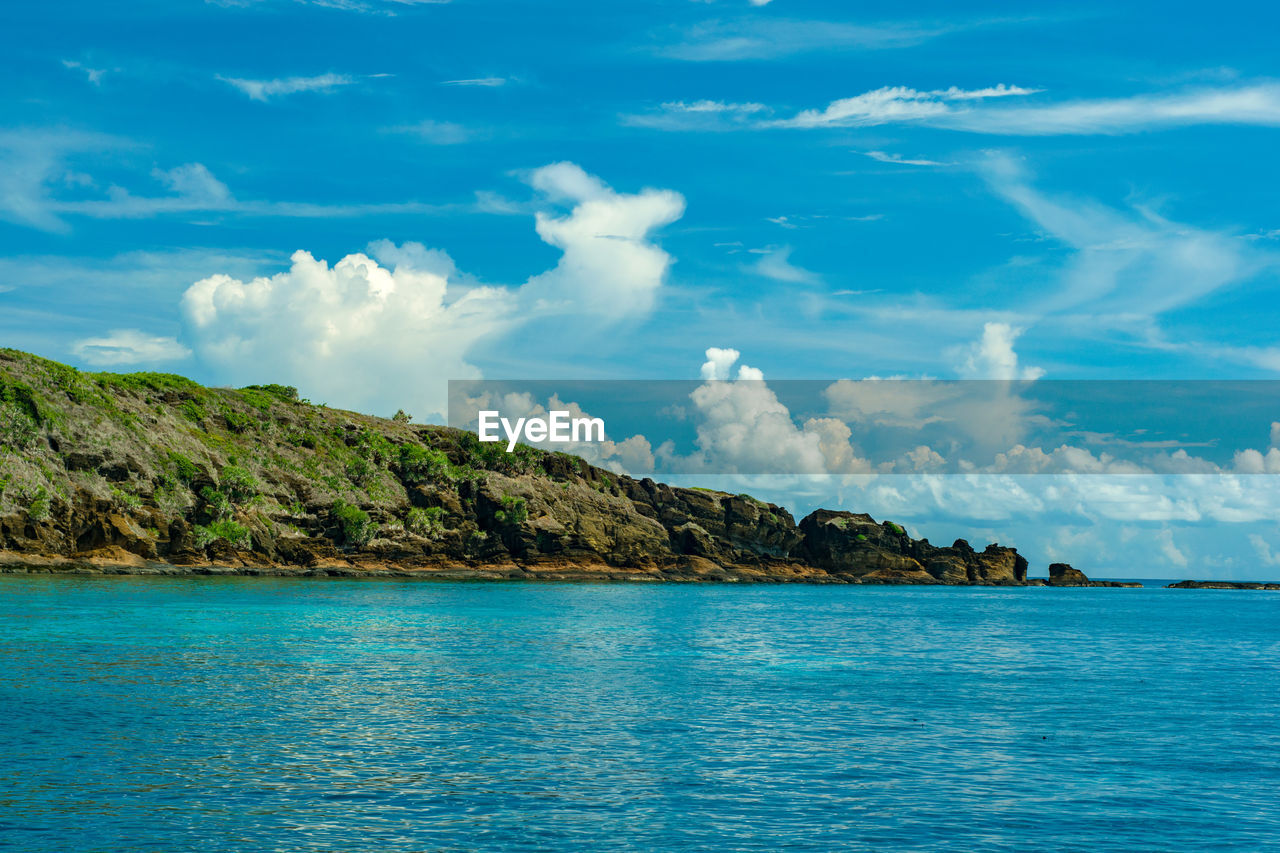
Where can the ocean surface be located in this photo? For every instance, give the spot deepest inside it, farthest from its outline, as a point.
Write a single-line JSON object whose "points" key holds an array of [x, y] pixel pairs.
{"points": [[253, 714]]}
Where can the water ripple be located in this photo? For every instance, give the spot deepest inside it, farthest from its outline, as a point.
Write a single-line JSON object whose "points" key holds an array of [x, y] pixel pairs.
{"points": [[254, 714]]}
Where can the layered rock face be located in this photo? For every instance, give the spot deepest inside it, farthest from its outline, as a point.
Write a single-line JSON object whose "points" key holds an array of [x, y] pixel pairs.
{"points": [[853, 546], [152, 472]]}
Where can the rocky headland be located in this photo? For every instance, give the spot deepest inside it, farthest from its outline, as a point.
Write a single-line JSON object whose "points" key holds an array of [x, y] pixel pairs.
{"points": [[153, 473]]}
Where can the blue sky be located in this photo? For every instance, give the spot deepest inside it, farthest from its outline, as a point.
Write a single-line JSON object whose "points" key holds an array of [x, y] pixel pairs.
{"points": [[608, 190]]}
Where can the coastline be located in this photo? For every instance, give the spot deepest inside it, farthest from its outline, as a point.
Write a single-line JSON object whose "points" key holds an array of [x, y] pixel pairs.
{"points": [[130, 565], [153, 474], [692, 573]]}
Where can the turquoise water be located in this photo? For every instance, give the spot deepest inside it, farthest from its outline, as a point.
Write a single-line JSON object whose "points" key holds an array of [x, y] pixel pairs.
{"points": [[256, 714]]}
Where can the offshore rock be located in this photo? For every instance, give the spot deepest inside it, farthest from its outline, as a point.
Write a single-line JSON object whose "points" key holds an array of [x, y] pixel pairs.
{"points": [[1271, 585], [1061, 574]]}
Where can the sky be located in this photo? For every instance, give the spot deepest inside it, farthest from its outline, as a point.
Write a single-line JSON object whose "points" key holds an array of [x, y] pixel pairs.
{"points": [[367, 198]]}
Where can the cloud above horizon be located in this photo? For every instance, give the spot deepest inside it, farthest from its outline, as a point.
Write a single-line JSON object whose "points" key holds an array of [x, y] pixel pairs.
{"points": [[124, 347], [361, 332], [992, 356]]}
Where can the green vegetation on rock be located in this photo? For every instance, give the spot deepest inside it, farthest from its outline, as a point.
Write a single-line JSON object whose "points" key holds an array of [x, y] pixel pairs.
{"points": [[236, 535], [514, 511], [427, 522], [357, 528], [155, 467]]}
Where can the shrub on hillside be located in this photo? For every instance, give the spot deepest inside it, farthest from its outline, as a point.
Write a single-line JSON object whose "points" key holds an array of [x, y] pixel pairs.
{"points": [[420, 464], [238, 484], [17, 428], [357, 529], [425, 522], [236, 534], [514, 511]]}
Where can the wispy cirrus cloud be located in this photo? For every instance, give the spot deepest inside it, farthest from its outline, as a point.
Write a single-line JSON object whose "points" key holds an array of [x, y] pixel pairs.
{"points": [[39, 189], [886, 105], [890, 104], [999, 110], [967, 110], [755, 37], [383, 7], [265, 90], [698, 115], [1257, 104], [435, 132], [194, 189], [31, 161], [715, 107], [1127, 275], [1132, 263], [899, 160], [93, 75], [482, 82], [775, 263]]}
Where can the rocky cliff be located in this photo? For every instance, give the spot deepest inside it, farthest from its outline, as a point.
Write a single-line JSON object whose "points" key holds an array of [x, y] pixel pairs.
{"points": [[154, 473]]}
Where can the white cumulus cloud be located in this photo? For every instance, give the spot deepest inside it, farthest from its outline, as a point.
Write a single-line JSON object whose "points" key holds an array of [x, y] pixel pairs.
{"points": [[742, 427], [610, 265], [356, 333], [385, 330], [993, 357]]}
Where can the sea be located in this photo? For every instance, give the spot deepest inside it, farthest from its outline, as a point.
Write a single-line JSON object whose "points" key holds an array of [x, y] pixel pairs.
{"points": [[257, 714]]}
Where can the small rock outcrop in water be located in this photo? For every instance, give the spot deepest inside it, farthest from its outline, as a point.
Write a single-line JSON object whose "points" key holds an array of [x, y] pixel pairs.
{"points": [[1061, 574], [1224, 585], [152, 472]]}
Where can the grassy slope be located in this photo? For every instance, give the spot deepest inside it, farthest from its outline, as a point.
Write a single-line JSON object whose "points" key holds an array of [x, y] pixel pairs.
{"points": [[232, 462]]}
